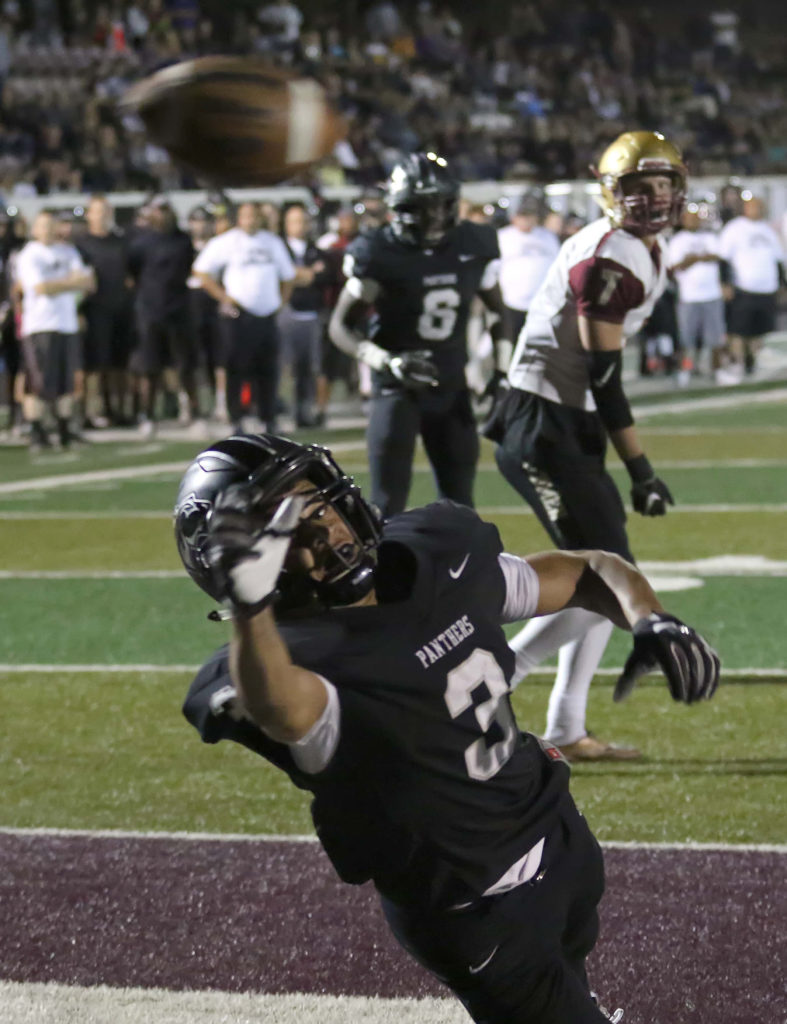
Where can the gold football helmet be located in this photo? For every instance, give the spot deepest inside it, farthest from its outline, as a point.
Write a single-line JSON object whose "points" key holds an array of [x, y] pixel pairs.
{"points": [[640, 153]]}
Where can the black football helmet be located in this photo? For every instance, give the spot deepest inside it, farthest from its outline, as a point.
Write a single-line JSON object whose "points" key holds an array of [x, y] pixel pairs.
{"points": [[423, 198], [273, 465]]}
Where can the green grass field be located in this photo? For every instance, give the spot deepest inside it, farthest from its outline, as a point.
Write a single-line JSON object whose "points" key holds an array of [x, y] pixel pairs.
{"points": [[90, 578]]}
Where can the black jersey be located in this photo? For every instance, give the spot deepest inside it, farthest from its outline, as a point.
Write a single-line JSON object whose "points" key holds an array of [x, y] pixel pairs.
{"points": [[431, 778], [425, 295]]}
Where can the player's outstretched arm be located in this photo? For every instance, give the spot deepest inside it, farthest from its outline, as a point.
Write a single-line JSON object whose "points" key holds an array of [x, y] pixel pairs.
{"points": [[283, 699], [605, 583], [595, 580], [246, 549], [603, 343]]}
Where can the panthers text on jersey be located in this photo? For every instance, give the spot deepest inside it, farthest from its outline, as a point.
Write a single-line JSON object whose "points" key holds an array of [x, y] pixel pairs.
{"points": [[425, 294], [602, 273], [432, 790]]}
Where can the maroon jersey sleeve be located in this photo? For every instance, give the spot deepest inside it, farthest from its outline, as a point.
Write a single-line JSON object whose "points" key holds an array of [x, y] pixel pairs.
{"points": [[604, 289]]}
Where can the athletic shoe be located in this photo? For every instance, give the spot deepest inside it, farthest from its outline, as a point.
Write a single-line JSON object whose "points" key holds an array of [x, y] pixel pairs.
{"points": [[728, 376], [615, 1016], [146, 427], [590, 748]]}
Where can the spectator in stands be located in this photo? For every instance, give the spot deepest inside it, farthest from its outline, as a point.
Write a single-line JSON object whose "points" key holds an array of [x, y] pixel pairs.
{"points": [[336, 365], [107, 311], [160, 259], [249, 272], [52, 278], [693, 258], [527, 251], [301, 320], [204, 316], [754, 256]]}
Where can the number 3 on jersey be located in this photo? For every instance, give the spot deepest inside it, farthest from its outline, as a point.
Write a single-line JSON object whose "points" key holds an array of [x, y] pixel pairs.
{"points": [[437, 321], [482, 760]]}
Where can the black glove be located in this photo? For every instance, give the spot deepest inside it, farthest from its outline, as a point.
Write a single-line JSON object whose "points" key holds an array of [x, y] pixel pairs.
{"points": [[247, 546], [415, 370], [493, 424], [649, 495], [687, 660]]}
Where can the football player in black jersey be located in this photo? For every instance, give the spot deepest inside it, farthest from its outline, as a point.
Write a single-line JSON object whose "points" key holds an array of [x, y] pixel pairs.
{"points": [[368, 662], [420, 272]]}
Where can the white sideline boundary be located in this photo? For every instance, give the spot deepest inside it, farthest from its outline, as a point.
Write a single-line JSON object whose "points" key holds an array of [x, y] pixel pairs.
{"points": [[235, 837], [32, 1003]]}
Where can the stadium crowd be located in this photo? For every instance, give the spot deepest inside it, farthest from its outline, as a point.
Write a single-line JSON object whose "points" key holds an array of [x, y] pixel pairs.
{"points": [[533, 93]]}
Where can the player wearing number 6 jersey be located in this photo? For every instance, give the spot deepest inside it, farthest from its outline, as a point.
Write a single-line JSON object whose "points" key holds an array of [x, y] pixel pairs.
{"points": [[419, 273], [567, 395], [368, 662]]}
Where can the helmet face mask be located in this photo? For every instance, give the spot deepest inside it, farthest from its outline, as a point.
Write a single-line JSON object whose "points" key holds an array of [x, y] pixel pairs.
{"points": [[343, 566], [631, 159], [423, 199]]}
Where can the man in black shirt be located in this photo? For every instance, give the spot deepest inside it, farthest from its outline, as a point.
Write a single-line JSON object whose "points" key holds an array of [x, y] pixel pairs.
{"points": [[300, 319], [368, 662], [160, 259], [108, 314]]}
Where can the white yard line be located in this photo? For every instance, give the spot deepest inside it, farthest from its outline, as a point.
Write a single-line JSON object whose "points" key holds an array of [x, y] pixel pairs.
{"points": [[97, 668], [484, 510], [729, 400], [234, 837], [717, 565], [776, 506], [35, 1002], [45, 483]]}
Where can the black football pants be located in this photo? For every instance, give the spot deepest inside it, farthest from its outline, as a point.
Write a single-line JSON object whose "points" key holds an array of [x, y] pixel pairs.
{"points": [[519, 958], [554, 457], [444, 420]]}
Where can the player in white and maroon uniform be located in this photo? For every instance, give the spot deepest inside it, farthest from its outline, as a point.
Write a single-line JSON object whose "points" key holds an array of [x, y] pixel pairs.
{"points": [[566, 396]]}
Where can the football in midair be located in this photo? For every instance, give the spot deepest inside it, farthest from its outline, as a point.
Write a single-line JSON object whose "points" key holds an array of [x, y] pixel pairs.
{"points": [[237, 121]]}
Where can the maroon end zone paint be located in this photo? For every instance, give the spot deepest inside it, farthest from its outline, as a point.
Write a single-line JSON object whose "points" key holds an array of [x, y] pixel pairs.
{"points": [[688, 936]]}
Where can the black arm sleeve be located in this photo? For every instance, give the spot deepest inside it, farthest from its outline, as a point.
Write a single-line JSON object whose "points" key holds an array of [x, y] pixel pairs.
{"points": [[606, 383]]}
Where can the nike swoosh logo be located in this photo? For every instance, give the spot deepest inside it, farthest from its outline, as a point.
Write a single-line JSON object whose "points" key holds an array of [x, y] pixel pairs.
{"points": [[464, 257], [480, 967], [602, 380], [456, 573]]}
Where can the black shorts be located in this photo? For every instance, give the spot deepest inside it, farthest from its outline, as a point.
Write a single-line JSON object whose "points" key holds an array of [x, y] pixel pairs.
{"points": [[752, 314], [251, 344], [163, 342], [203, 310], [553, 455], [107, 337], [51, 360]]}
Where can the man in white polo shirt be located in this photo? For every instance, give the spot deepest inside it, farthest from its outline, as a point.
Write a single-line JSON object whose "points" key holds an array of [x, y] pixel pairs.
{"points": [[755, 257], [250, 274], [693, 257], [527, 251], [51, 276]]}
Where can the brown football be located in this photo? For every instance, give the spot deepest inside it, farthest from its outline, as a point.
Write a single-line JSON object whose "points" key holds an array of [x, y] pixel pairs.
{"points": [[237, 121]]}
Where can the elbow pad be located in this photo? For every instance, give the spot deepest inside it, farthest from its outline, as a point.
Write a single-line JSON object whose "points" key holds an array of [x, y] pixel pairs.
{"points": [[605, 370]]}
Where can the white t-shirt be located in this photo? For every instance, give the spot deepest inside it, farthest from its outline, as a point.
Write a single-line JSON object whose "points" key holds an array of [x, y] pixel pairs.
{"points": [[35, 264], [753, 250], [251, 268], [525, 258], [701, 282]]}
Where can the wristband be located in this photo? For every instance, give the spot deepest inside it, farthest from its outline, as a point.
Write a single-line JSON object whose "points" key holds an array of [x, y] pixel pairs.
{"points": [[373, 355], [639, 469]]}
